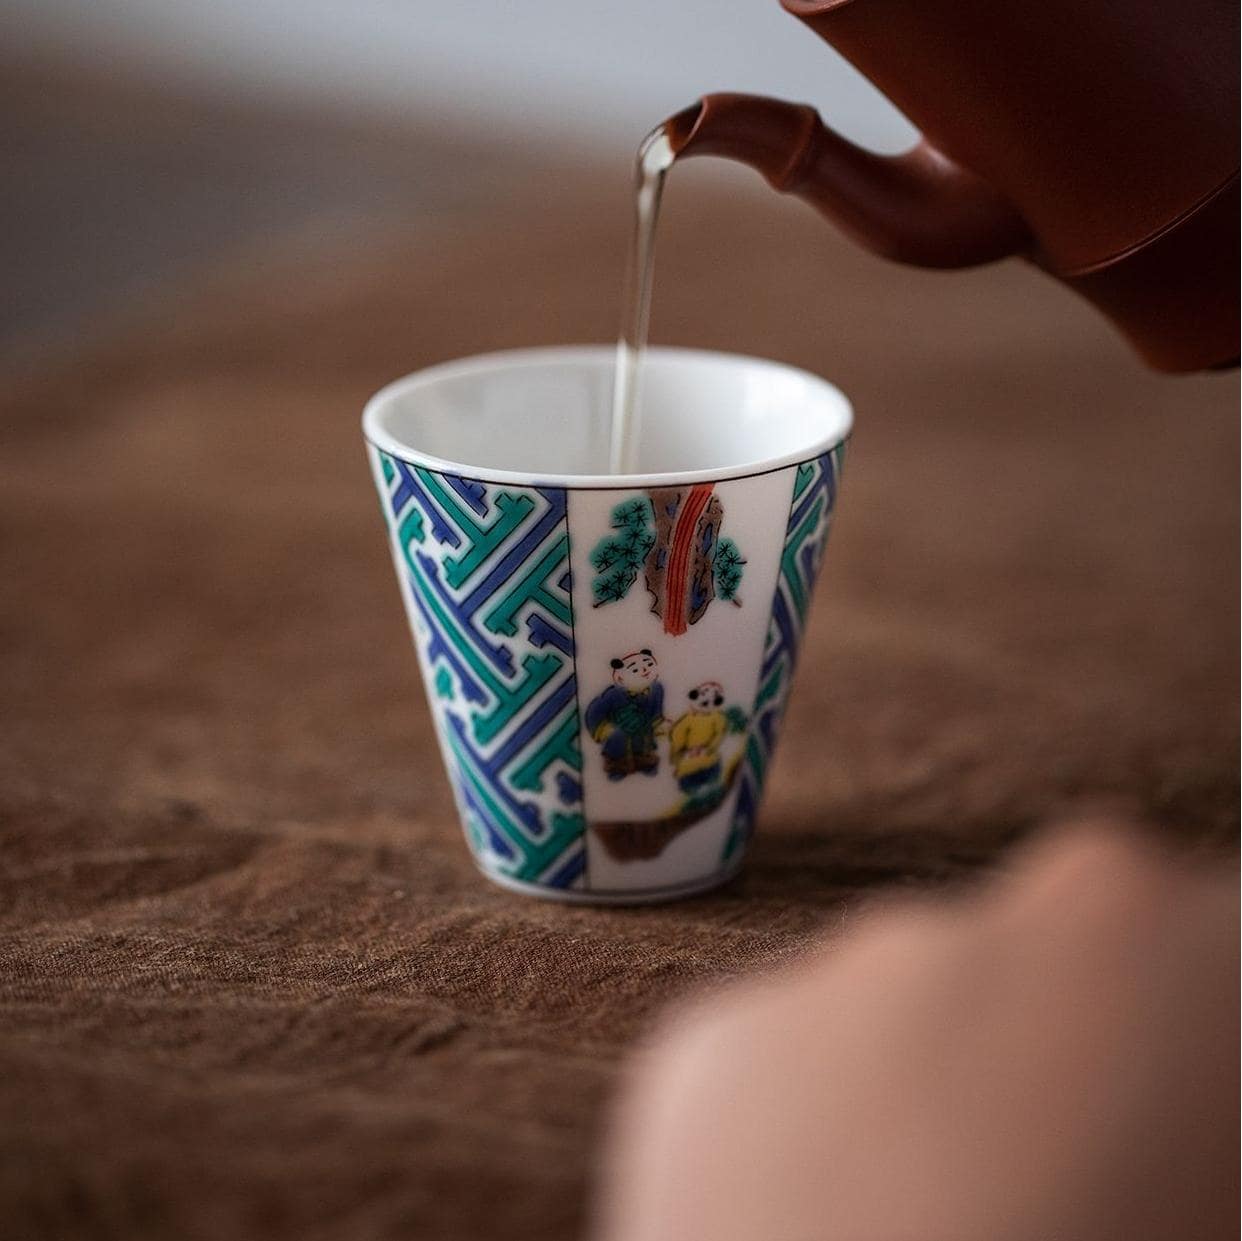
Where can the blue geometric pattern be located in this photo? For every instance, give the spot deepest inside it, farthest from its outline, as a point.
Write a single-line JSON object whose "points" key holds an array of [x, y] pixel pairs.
{"points": [[487, 569], [814, 498]]}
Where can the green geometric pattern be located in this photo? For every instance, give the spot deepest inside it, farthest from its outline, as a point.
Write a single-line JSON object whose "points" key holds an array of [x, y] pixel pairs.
{"points": [[485, 577], [815, 488]]}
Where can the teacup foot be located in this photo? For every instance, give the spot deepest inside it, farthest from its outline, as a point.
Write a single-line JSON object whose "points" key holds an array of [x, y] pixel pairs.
{"points": [[615, 896]]}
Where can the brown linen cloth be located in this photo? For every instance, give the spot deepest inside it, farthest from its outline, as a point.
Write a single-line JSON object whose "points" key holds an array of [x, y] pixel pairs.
{"points": [[250, 983]]}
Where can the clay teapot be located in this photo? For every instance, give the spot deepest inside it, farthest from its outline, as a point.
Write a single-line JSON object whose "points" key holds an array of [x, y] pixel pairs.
{"points": [[1099, 141]]}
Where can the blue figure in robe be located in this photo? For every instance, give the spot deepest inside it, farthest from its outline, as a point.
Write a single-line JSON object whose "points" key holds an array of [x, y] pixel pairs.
{"points": [[628, 716]]}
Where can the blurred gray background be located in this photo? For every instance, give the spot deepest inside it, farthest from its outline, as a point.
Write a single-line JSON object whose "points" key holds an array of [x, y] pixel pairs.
{"points": [[584, 72], [144, 138]]}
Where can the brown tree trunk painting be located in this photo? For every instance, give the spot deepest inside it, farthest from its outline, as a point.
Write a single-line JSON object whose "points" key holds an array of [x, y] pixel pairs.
{"points": [[679, 566]]}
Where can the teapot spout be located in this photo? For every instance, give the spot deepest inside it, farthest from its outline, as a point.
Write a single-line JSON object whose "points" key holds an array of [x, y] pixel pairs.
{"points": [[919, 207]]}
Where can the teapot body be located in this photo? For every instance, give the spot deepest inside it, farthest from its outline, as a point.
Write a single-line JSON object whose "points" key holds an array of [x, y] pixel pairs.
{"points": [[1101, 124], [1098, 141]]}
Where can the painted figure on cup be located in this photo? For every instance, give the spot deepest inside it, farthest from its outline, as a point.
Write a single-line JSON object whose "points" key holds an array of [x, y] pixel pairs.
{"points": [[628, 716], [695, 741]]}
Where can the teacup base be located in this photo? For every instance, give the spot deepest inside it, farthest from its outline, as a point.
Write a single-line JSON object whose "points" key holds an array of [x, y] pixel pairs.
{"points": [[638, 896]]}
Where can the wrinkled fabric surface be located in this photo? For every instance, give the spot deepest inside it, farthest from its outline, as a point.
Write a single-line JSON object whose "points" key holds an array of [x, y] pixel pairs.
{"points": [[251, 985]]}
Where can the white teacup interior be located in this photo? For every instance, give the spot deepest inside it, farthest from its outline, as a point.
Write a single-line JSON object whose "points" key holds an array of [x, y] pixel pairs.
{"points": [[545, 413]]}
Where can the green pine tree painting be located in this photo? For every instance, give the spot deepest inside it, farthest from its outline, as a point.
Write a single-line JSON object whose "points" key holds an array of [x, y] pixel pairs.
{"points": [[727, 569], [619, 556]]}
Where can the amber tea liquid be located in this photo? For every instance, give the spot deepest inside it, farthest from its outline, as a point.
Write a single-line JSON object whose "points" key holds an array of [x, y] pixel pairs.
{"points": [[655, 157]]}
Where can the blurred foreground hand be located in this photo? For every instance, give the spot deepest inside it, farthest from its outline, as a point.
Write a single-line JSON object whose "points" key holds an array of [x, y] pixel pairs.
{"points": [[1053, 1058]]}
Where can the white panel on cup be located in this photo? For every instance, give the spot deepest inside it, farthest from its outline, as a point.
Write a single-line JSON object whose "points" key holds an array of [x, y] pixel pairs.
{"points": [[725, 645]]}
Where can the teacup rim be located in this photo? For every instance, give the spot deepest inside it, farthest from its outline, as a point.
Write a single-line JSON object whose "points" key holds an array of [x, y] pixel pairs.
{"points": [[381, 439]]}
